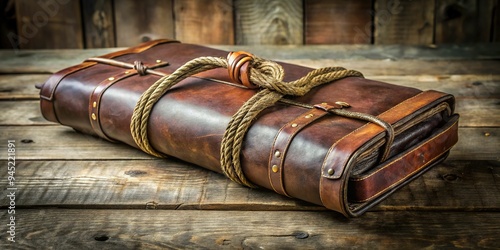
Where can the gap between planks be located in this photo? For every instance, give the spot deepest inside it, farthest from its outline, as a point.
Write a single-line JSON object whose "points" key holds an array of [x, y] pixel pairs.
{"points": [[180, 229]]}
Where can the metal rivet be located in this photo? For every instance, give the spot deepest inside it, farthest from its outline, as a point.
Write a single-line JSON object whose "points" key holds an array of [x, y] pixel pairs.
{"points": [[308, 116], [331, 171], [158, 61], [126, 72], [294, 125], [277, 153], [94, 117], [275, 168], [486, 134], [111, 78], [94, 104]]}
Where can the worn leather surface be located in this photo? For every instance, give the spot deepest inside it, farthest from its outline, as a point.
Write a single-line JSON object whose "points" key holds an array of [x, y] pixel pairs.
{"points": [[190, 119]]}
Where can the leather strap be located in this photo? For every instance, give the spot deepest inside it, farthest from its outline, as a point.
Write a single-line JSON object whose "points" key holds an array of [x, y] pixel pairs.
{"points": [[96, 96], [281, 144], [333, 184], [95, 101], [49, 87], [394, 172]]}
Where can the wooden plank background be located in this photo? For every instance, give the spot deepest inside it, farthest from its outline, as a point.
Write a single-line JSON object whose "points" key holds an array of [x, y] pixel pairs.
{"points": [[49, 24]]}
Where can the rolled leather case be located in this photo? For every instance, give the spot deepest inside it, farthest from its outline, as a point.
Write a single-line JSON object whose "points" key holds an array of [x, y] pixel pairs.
{"points": [[293, 149]]}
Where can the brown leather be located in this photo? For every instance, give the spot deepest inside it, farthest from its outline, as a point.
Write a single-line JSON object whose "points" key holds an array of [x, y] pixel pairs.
{"points": [[329, 160]]}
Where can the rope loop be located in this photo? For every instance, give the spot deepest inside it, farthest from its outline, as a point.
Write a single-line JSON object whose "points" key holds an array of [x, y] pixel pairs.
{"points": [[243, 68]]}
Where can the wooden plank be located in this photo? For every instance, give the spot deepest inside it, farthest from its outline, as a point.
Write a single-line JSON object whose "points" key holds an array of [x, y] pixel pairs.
{"points": [[53, 142], [20, 113], [269, 22], [48, 25], [338, 22], [442, 59], [141, 21], [204, 22], [21, 86], [404, 22], [372, 68], [180, 229], [99, 29], [170, 184], [464, 21]]}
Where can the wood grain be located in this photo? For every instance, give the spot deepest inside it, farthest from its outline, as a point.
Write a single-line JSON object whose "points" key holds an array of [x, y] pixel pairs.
{"points": [[141, 21], [464, 21], [204, 22], [99, 28], [20, 86], [269, 22], [338, 22], [379, 59], [53, 142], [171, 184], [49, 24], [179, 229], [404, 22]]}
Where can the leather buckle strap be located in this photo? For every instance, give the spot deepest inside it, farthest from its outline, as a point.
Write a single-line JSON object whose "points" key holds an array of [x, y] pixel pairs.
{"points": [[283, 140], [96, 96]]}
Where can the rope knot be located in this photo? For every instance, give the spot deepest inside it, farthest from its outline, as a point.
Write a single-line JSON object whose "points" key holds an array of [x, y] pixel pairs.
{"points": [[238, 67], [140, 68]]}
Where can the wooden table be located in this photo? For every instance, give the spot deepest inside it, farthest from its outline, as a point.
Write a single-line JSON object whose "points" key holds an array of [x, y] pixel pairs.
{"points": [[77, 191]]}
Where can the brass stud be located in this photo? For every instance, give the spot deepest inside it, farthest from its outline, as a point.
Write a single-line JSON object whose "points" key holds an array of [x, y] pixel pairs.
{"points": [[94, 117], [94, 104], [487, 134], [158, 61], [294, 125], [111, 78], [331, 171], [324, 103], [126, 72], [277, 153], [275, 168], [308, 116]]}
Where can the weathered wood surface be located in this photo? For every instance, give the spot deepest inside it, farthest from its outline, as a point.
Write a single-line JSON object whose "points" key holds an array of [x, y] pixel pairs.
{"points": [[404, 22], [180, 229], [141, 21], [99, 28], [269, 22], [372, 60], [172, 184], [249, 22], [203, 21], [113, 196], [348, 22], [464, 21], [48, 25]]}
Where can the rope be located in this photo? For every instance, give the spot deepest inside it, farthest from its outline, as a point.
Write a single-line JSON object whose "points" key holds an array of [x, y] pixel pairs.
{"points": [[258, 72]]}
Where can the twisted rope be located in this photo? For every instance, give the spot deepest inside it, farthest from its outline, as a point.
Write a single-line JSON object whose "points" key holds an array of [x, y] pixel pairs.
{"points": [[261, 73]]}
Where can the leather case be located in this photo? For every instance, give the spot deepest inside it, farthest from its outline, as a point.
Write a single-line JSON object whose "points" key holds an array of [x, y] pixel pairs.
{"points": [[306, 147]]}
